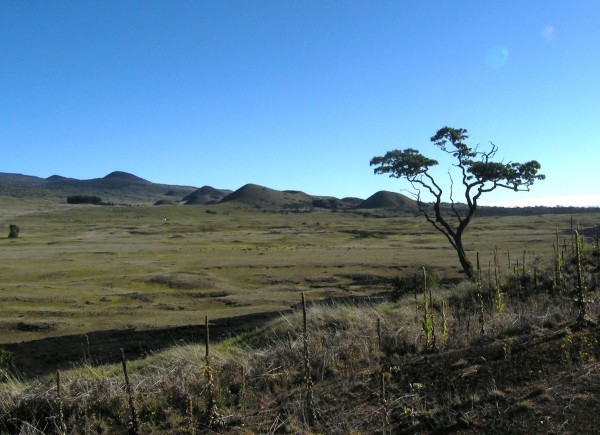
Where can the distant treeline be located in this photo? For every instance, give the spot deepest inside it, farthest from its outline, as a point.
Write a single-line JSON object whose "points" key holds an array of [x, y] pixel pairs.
{"points": [[516, 211], [86, 199], [530, 211]]}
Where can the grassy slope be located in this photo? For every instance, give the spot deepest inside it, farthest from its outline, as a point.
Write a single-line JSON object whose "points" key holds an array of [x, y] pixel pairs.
{"points": [[86, 268], [529, 374]]}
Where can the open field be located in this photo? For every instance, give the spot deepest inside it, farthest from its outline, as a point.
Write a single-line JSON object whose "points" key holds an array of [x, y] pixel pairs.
{"points": [[80, 269], [83, 282]]}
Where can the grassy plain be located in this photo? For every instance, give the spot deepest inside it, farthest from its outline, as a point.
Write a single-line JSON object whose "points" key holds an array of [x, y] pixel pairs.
{"points": [[77, 269], [132, 273]]}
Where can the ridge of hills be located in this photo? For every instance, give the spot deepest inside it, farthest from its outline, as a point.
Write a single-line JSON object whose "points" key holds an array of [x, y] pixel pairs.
{"points": [[261, 197], [116, 187], [122, 187]]}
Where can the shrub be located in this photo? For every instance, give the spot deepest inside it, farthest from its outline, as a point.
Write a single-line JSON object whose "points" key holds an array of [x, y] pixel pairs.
{"points": [[406, 285], [84, 199]]}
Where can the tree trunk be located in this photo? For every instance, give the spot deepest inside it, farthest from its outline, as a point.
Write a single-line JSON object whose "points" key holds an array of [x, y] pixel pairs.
{"points": [[464, 260]]}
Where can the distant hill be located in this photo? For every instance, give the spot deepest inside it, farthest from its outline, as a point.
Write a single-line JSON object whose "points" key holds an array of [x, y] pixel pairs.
{"points": [[19, 180], [261, 197], [118, 187], [166, 202], [59, 178], [331, 203], [351, 201], [124, 188], [206, 195], [385, 199], [255, 196], [118, 180], [125, 177]]}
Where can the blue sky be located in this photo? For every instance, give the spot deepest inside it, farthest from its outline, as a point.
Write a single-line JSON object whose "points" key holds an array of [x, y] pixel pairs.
{"points": [[299, 94]]}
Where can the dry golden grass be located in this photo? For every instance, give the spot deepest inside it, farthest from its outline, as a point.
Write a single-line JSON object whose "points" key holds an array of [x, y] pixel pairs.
{"points": [[517, 371], [78, 269]]}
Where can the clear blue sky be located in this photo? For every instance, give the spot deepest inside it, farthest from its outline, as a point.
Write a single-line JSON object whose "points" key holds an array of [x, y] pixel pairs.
{"points": [[298, 94]]}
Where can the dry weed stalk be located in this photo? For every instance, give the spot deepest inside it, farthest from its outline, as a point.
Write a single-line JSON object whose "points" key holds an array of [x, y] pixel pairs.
{"points": [[444, 325], [596, 247], [242, 395], [213, 418], [379, 334], [135, 424], [62, 427], [384, 404], [190, 413], [480, 298], [416, 292], [309, 396], [427, 323], [431, 311], [499, 296], [558, 278], [580, 287]]}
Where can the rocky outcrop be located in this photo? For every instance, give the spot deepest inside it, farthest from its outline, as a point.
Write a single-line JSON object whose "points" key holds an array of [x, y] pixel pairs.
{"points": [[14, 232]]}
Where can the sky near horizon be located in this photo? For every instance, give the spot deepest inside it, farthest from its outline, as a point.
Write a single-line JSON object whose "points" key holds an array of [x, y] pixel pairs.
{"points": [[299, 94]]}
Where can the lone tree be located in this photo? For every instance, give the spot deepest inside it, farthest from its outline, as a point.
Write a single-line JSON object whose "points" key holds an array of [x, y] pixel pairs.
{"points": [[479, 174]]}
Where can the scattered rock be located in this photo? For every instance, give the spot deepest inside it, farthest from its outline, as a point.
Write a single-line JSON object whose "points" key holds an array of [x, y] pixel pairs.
{"points": [[14, 232]]}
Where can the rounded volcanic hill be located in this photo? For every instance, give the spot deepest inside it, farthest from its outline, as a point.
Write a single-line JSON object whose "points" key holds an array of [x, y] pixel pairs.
{"points": [[253, 195], [116, 180], [125, 177], [59, 179], [206, 195], [166, 202], [385, 199]]}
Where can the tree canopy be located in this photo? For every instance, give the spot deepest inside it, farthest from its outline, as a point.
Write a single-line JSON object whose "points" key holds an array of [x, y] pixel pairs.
{"points": [[478, 173]]}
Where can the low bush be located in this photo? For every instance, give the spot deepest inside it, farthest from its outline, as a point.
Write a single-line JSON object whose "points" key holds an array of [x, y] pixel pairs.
{"points": [[84, 199]]}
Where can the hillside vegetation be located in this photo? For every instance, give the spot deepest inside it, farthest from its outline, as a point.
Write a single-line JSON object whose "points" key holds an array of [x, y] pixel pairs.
{"points": [[502, 355], [78, 269]]}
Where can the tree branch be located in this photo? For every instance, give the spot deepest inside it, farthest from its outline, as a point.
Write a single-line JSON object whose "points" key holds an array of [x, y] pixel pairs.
{"points": [[479, 175]]}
